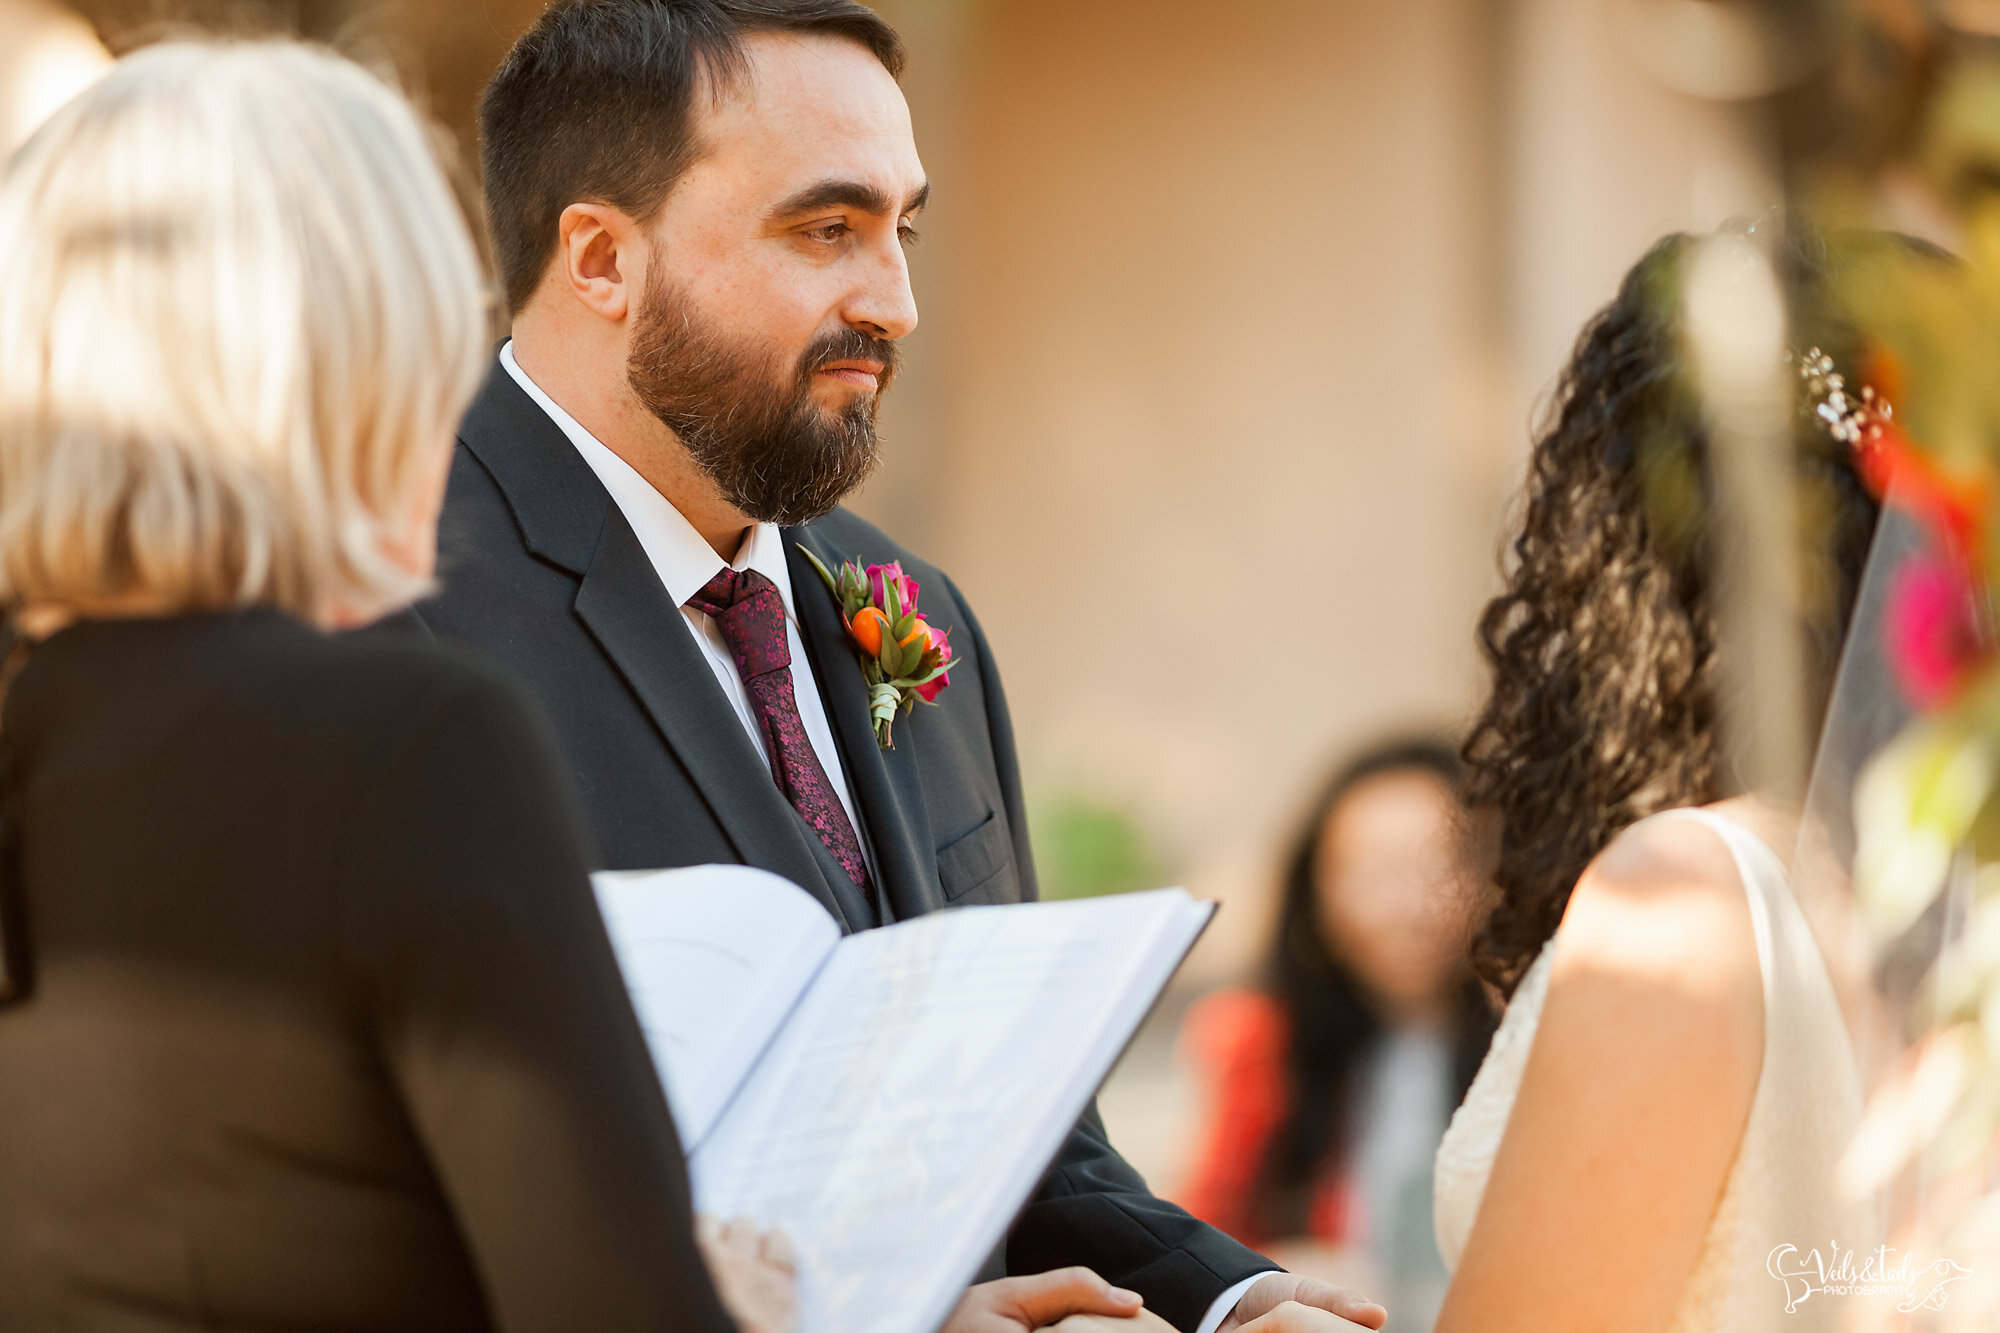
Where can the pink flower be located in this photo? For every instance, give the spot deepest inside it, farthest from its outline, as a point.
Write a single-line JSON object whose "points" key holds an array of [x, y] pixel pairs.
{"points": [[939, 642], [1932, 629], [905, 660], [883, 577]]}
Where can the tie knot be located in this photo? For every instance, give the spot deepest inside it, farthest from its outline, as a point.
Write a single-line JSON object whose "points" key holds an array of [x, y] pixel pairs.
{"points": [[750, 614], [723, 591]]}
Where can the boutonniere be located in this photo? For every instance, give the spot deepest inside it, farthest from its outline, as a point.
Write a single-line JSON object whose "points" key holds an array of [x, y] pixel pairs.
{"points": [[904, 658]]}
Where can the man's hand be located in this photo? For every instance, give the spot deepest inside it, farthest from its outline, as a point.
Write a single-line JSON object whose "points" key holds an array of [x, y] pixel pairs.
{"points": [[1143, 1322], [1294, 1303], [754, 1273], [1023, 1304]]}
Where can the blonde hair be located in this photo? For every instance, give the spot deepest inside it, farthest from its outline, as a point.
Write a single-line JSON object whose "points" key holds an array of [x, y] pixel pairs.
{"points": [[240, 313]]}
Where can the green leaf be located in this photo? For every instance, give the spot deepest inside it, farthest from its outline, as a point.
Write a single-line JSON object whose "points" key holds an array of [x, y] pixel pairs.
{"points": [[826, 575]]}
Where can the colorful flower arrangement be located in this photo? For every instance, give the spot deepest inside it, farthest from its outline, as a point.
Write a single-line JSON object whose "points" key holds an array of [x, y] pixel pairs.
{"points": [[904, 658], [1927, 809]]}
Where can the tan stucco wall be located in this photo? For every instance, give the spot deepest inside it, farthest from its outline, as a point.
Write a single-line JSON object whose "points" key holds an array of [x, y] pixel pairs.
{"points": [[1204, 398]]}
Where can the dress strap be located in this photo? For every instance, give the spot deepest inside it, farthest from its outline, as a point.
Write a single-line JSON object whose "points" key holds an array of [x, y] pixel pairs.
{"points": [[1766, 891], [1740, 839]]}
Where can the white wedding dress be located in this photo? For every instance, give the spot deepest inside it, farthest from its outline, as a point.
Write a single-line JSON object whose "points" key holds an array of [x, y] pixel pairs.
{"points": [[1780, 1190]]}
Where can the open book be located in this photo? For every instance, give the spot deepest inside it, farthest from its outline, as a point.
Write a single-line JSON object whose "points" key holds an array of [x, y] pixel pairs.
{"points": [[892, 1098]]}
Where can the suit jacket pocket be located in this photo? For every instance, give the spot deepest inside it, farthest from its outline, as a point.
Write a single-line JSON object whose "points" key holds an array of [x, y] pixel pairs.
{"points": [[975, 859]]}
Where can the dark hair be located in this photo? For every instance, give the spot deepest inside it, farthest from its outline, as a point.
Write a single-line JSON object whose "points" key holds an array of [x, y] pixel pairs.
{"points": [[1603, 646], [1334, 1021], [595, 102]]}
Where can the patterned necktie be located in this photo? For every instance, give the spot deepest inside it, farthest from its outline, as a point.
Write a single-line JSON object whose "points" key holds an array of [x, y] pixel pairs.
{"points": [[749, 611]]}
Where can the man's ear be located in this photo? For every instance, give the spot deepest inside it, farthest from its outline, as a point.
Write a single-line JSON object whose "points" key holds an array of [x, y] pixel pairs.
{"points": [[598, 258]]}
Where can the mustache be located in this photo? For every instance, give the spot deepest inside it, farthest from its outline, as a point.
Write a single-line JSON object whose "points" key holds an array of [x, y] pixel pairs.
{"points": [[850, 344]]}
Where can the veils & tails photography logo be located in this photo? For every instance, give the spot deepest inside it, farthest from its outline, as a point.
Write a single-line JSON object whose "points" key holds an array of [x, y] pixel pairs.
{"points": [[1879, 1272]]}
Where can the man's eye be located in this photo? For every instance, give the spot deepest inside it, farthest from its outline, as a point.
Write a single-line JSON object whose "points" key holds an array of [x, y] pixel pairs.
{"points": [[830, 233], [908, 234]]}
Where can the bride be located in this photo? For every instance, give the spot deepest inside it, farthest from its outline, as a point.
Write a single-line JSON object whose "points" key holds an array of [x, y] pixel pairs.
{"points": [[1671, 1086]]}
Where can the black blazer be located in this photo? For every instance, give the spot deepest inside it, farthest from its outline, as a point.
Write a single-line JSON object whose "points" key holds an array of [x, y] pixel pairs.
{"points": [[541, 570], [324, 1030]]}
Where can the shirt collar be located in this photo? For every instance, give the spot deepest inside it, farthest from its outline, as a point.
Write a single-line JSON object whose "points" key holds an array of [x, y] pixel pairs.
{"points": [[681, 557]]}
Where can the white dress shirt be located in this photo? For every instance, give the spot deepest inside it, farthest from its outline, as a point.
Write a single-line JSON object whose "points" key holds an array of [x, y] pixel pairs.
{"points": [[685, 563], [1227, 1301]]}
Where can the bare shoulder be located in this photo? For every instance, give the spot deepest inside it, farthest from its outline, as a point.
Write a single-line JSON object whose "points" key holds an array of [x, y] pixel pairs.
{"points": [[1664, 855], [1664, 906]]}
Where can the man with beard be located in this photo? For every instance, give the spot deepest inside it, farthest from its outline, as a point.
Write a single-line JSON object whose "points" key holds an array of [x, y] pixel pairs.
{"points": [[700, 209]]}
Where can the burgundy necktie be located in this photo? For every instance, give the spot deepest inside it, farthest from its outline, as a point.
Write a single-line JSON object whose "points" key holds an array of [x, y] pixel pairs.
{"points": [[748, 610]]}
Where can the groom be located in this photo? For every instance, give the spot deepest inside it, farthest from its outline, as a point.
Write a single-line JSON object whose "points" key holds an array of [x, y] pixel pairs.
{"points": [[700, 209]]}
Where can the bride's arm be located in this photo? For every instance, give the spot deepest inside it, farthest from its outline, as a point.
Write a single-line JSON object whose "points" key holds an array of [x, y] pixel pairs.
{"points": [[1634, 1100]]}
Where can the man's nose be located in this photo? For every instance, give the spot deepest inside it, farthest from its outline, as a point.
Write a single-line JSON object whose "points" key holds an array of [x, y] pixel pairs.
{"points": [[883, 304]]}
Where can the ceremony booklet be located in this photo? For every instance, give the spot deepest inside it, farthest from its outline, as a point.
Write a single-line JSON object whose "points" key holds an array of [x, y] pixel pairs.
{"points": [[889, 1100]]}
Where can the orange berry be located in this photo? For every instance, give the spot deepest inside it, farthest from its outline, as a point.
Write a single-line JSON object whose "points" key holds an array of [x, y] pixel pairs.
{"points": [[867, 628]]}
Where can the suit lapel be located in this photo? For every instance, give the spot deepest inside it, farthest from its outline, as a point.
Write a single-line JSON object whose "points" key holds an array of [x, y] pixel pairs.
{"points": [[555, 497], [885, 782], [568, 520]]}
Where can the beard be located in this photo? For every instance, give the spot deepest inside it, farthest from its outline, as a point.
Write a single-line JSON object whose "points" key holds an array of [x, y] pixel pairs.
{"points": [[749, 423]]}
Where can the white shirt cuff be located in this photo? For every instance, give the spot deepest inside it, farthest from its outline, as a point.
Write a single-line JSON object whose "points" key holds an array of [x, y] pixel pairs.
{"points": [[1228, 1299]]}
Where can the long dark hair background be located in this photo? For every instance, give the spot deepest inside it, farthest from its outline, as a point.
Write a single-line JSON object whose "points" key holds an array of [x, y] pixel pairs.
{"points": [[1604, 705], [1333, 1021]]}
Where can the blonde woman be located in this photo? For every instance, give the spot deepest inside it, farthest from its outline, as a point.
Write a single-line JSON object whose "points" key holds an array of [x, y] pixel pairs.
{"points": [[310, 1020]]}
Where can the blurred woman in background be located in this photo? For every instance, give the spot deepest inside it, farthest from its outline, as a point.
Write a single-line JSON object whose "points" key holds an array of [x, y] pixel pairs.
{"points": [[1329, 1086], [309, 1017]]}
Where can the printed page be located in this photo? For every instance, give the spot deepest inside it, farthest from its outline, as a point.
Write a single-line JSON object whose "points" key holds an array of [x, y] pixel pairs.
{"points": [[715, 957], [923, 1085]]}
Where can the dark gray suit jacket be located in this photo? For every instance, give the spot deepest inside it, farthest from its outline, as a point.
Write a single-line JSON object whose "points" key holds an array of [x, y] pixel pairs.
{"points": [[541, 571]]}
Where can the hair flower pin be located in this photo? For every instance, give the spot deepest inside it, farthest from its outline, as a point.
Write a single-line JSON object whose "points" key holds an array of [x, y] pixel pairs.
{"points": [[1853, 419], [1865, 421], [904, 658]]}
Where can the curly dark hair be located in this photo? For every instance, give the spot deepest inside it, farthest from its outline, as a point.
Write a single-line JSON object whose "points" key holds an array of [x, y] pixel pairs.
{"points": [[1334, 1021], [1603, 646]]}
